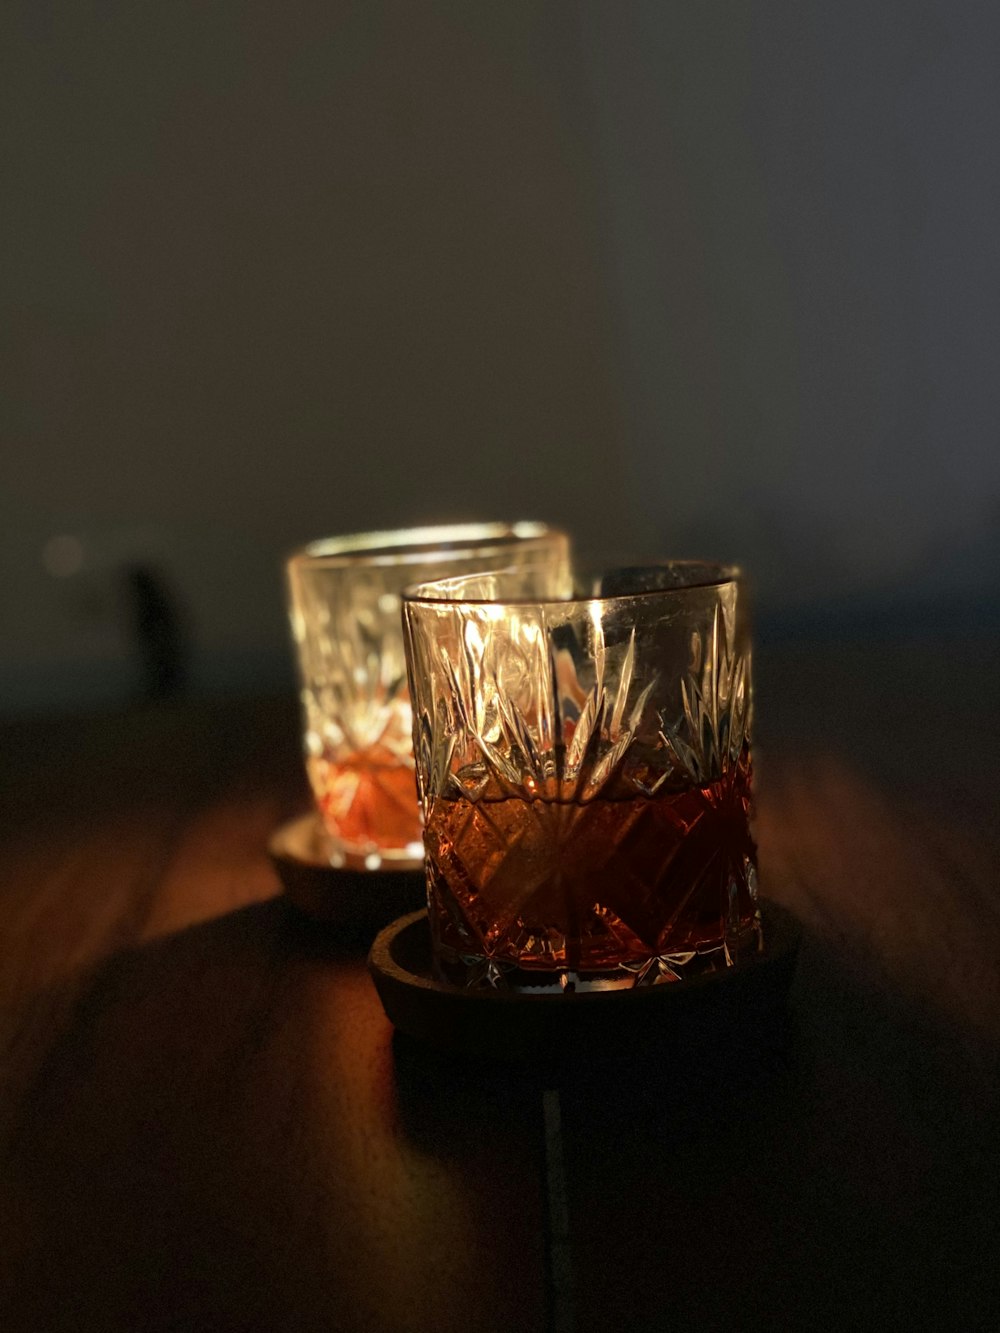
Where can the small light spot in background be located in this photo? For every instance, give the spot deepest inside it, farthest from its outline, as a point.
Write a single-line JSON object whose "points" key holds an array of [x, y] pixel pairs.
{"points": [[63, 556]]}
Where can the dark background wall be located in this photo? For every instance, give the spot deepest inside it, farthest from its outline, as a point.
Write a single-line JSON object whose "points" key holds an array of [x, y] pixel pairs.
{"points": [[715, 278]]}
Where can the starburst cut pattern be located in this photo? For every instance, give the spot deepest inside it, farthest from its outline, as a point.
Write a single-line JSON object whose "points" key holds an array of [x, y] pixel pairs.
{"points": [[586, 815]]}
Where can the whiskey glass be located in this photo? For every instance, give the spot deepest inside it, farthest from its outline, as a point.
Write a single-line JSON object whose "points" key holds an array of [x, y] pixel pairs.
{"points": [[344, 607], [584, 770]]}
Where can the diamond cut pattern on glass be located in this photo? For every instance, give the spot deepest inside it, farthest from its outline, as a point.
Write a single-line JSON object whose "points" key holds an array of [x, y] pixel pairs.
{"points": [[585, 775]]}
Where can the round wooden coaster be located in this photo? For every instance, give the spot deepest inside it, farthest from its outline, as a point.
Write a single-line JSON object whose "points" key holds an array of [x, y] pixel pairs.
{"points": [[344, 896], [729, 1006]]}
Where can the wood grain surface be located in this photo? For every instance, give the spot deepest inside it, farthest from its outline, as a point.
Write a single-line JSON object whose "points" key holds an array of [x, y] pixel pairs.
{"points": [[207, 1124]]}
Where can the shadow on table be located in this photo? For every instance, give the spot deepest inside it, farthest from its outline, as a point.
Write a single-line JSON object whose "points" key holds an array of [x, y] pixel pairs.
{"points": [[215, 1141], [849, 1184], [227, 1136], [839, 1172]]}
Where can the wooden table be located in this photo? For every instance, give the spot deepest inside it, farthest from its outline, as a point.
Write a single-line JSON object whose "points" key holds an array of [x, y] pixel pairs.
{"points": [[208, 1125]]}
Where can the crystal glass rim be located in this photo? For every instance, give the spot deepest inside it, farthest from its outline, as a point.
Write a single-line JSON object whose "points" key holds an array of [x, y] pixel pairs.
{"points": [[714, 575], [420, 545]]}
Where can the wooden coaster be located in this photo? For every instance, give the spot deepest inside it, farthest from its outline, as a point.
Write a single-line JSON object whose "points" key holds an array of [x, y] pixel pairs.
{"points": [[349, 896], [729, 1006]]}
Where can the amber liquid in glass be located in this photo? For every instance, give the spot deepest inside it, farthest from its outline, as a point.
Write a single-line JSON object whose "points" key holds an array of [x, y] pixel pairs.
{"points": [[621, 883], [368, 800]]}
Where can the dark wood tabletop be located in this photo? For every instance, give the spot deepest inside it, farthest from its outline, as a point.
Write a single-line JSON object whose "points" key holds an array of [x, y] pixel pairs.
{"points": [[208, 1124]]}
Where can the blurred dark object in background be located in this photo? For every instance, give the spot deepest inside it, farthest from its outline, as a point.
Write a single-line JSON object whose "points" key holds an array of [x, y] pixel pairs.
{"points": [[160, 641]]}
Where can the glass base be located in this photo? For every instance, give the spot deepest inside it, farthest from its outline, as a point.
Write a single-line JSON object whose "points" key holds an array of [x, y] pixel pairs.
{"points": [[472, 971], [325, 849], [343, 856]]}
